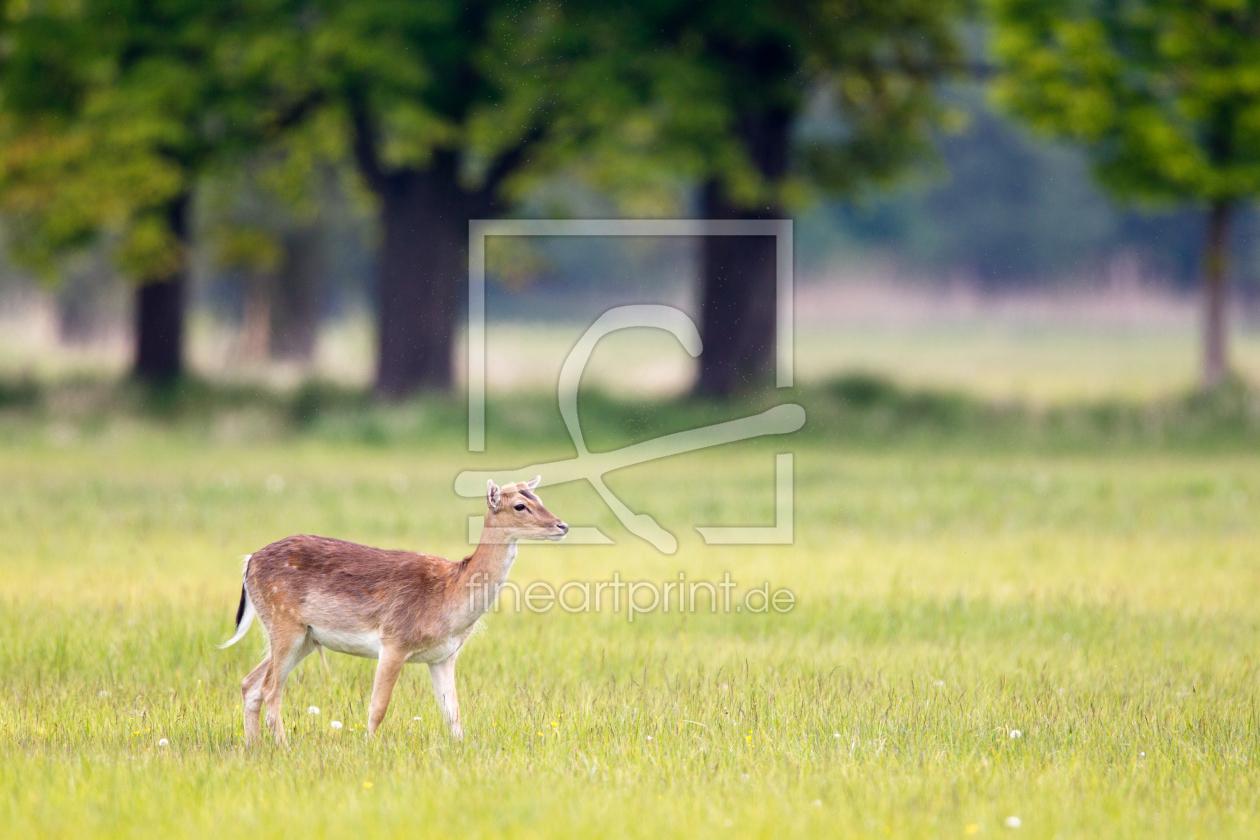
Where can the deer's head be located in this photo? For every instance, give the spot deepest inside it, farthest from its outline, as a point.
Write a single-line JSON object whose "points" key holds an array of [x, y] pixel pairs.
{"points": [[515, 511]]}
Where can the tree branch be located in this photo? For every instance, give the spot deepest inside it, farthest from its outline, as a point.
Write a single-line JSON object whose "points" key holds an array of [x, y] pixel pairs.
{"points": [[297, 112], [484, 199], [364, 142]]}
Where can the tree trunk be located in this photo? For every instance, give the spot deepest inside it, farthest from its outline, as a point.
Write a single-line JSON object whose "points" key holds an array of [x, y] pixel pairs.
{"points": [[737, 317], [737, 305], [160, 312], [256, 317], [295, 297], [423, 263], [83, 304], [1216, 295]]}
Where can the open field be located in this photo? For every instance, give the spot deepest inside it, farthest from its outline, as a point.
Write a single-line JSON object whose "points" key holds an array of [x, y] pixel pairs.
{"points": [[1104, 605]]}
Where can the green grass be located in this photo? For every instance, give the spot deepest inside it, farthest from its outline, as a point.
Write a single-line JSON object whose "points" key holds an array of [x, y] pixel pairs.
{"points": [[961, 571]]}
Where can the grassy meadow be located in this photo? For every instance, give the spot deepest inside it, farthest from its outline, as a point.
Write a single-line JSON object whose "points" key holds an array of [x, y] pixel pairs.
{"points": [[999, 614]]}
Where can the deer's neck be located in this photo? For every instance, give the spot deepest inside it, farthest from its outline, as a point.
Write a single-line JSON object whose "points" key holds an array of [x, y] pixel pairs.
{"points": [[492, 560], [485, 573]]}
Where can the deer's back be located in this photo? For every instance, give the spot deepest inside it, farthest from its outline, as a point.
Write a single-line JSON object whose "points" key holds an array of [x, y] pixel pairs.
{"points": [[329, 583]]}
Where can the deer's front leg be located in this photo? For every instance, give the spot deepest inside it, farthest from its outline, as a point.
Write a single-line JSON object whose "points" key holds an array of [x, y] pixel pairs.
{"points": [[443, 674], [388, 667]]}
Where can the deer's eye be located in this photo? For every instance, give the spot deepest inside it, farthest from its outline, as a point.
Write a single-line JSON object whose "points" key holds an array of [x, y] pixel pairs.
{"points": [[520, 507]]}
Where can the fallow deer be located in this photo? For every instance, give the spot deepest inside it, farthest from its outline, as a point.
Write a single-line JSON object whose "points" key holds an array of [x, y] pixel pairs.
{"points": [[392, 606]]}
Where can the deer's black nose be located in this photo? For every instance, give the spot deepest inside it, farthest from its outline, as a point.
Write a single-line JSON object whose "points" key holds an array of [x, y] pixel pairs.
{"points": [[563, 527]]}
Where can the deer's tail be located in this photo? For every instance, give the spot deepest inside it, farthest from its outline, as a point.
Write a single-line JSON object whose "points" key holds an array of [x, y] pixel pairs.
{"points": [[244, 613]]}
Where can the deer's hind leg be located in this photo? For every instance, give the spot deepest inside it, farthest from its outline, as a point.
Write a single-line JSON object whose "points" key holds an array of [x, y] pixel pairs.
{"points": [[288, 647], [252, 697]]}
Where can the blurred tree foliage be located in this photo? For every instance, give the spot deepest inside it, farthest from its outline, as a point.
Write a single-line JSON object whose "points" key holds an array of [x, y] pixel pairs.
{"points": [[1004, 208], [714, 92], [875, 66], [453, 110], [1166, 96], [402, 85], [112, 109], [269, 235], [1007, 208]]}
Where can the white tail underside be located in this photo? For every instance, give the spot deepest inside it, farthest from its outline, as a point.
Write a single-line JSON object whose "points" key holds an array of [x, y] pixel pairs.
{"points": [[247, 617]]}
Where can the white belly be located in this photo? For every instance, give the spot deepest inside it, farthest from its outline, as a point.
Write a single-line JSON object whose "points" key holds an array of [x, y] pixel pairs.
{"points": [[440, 651], [367, 645]]}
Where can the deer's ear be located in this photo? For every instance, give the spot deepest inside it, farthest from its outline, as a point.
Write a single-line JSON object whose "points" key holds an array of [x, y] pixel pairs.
{"points": [[494, 496], [531, 484]]}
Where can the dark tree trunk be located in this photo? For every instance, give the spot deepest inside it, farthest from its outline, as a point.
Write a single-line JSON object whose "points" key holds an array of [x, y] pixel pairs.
{"points": [[160, 312], [1216, 295], [160, 330], [295, 297], [737, 315], [737, 305], [423, 264]]}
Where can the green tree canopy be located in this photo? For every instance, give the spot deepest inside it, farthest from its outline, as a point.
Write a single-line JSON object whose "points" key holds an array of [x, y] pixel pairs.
{"points": [[759, 103], [110, 110], [1165, 95], [403, 84], [114, 109]]}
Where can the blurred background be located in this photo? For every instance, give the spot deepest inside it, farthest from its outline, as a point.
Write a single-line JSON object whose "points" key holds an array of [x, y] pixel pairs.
{"points": [[1037, 202]]}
